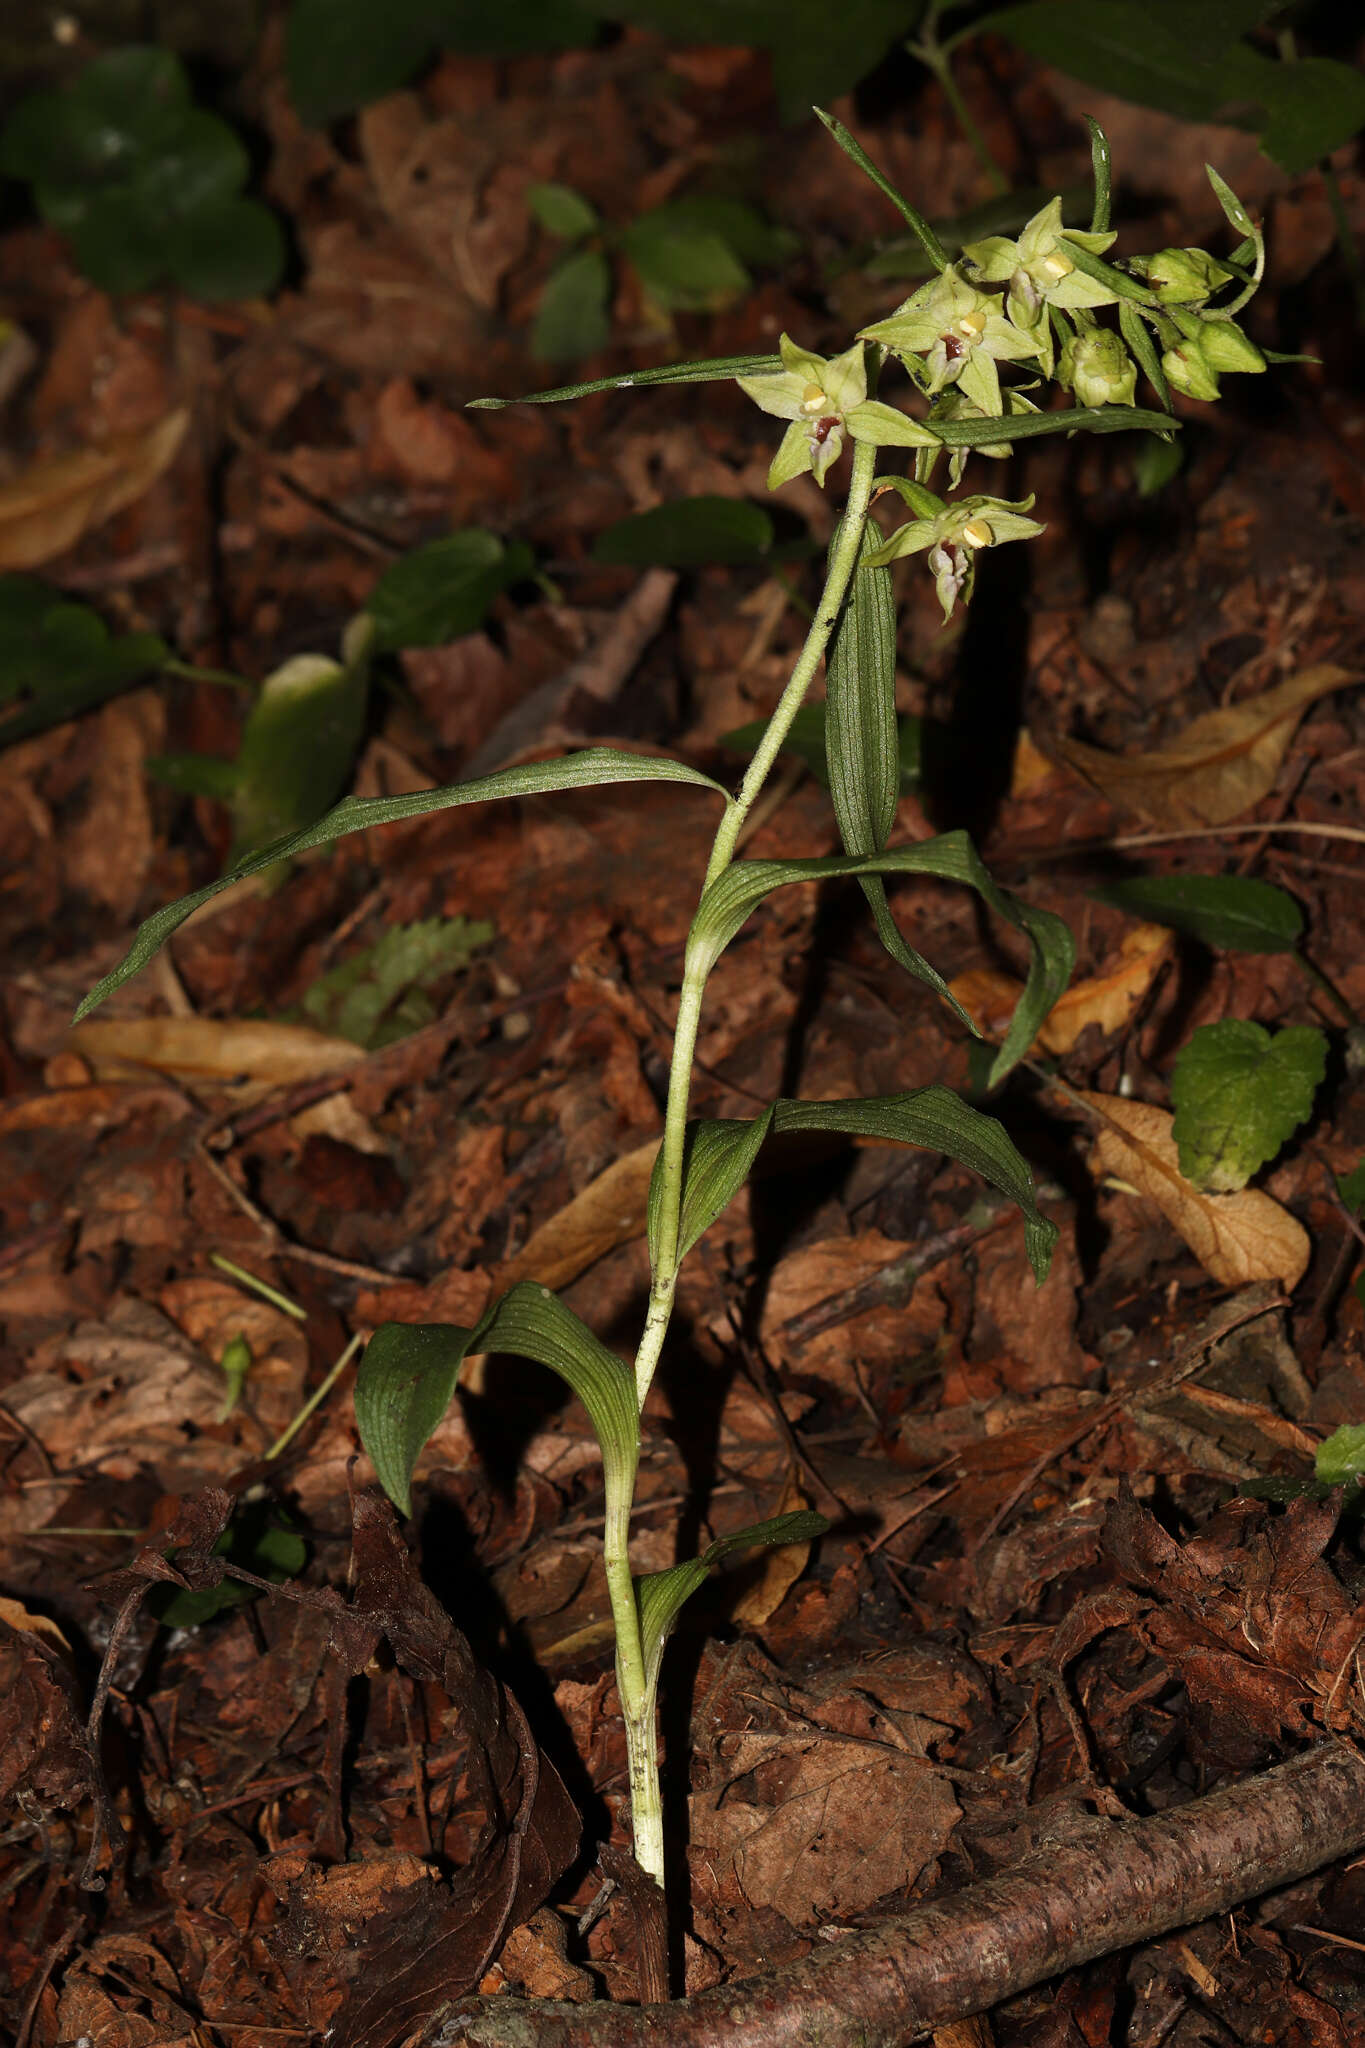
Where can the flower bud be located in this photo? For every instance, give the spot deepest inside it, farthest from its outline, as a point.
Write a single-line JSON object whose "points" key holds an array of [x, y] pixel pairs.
{"points": [[1187, 372], [1183, 277], [1225, 347], [1098, 368]]}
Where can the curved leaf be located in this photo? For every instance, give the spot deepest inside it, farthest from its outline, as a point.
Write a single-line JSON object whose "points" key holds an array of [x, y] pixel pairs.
{"points": [[1028, 426], [862, 742], [593, 768], [410, 1370], [718, 1153], [940, 1121], [713, 371], [951, 857], [661, 1595], [1237, 912], [404, 1386]]}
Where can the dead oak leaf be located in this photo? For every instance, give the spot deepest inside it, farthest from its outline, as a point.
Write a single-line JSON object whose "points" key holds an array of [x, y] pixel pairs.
{"points": [[1109, 999], [247, 1056], [1221, 765], [49, 506], [1236, 1238]]}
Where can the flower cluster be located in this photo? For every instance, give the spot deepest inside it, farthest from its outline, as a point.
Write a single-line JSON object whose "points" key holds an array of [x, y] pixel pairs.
{"points": [[953, 336]]}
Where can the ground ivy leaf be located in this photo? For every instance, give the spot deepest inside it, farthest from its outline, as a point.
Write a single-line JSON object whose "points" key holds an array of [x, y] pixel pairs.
{"points": [[1239, 1093]]}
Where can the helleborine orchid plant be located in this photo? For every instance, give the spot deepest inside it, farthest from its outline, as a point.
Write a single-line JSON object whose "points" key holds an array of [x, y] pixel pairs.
{"points": [[953, 338]]}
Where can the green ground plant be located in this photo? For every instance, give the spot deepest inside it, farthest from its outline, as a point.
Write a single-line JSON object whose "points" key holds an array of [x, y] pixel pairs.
{"points": [[1045, 313]]}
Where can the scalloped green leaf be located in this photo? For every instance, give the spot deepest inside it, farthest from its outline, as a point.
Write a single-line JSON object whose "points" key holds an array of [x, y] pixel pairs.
{"points": [[662, 1595], [717, 1155], [594, 767], [730, 899], [1239, 1093]]}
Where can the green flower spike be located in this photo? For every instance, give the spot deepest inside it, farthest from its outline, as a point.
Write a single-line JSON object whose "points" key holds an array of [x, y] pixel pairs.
{"points": [[825, 398], [1041, 273], [952, 540], [949, 333], [1098, 368]]}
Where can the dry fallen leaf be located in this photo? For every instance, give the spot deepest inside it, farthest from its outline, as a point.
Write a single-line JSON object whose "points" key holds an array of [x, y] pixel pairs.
{"points": [[1221, 765], [247, 1055], [1236, 1238], [608, 1212], [1108, 1000], [45, 510], [779, 1568]]}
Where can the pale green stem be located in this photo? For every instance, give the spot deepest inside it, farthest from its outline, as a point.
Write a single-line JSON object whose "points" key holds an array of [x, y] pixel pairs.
{"points": [[637, 1694]]}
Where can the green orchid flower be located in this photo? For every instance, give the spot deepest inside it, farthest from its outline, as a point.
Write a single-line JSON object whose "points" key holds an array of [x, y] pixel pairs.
{"points": [[954, 537], [824, 398], [1098, 368], [954, 404], [1041, 273], [949, 333]]}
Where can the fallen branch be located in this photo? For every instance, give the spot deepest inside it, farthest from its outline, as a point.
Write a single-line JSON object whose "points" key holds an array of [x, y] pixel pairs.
{"points": [[1126, 1883]]}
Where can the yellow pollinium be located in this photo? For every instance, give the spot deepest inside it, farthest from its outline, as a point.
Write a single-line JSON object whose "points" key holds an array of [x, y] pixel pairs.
{"points": [[973, 325], [813, 399], [977, 534]]}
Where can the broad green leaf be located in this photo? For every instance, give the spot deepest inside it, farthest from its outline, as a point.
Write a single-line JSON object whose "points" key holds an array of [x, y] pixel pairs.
{"points": [[662, 1595], [742, 228], [717, 1155], [1157, 53], [686, 533], [443, 590], [300, 742], [951, 857], [684, 268], [574, 316], [562, 211], [1341, 1457], [234, 251], [862, 744], [1239, 1093], [58, 659], [410, 1370], [379, 994], [1351, 1188], [940, 1121], [1155, 464], [1311, 106], [476, 28], [340, 54], [406, 1381], [714, 371], [593, 767], [195, 775], [1233, 911]]}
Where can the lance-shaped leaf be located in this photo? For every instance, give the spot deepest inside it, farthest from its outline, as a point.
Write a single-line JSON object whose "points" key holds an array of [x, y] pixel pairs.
{"points": [[862, 746], [662, 1594], [713, 371], [1237, 912], [913, 218], [1029, 426], [951, 857], [1135, 333], [410, 1370], [717, 1155], [592, 768], [940, 1121]]}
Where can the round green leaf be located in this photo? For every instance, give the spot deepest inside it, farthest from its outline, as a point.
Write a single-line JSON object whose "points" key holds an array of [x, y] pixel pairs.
{"points": [[686, 269], [1239, 1093], [115, 244], [443, 590], [562, 211], [201, 166], [233, 251], [340, 54], [573, 318]]}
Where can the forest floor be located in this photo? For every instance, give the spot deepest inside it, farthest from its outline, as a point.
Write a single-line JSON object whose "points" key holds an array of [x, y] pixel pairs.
{"points": [[1047, 1595]]}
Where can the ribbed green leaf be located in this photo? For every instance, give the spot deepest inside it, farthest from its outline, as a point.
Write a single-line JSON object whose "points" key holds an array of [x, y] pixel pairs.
{"points": [[713, 371], [410, 1370], [940, 1121], [862, 744], [403, 1388], [913, 218], [1028, 426], [592, 768], [951, 857], [662, 1594], [1138, 336], [718, 1153]]}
